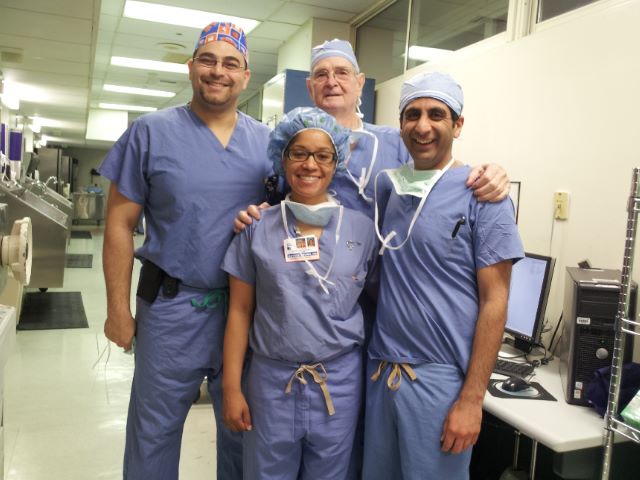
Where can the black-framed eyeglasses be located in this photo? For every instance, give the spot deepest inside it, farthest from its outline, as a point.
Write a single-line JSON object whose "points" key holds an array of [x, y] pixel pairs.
{"points": [[209, 61], [321, 157]]}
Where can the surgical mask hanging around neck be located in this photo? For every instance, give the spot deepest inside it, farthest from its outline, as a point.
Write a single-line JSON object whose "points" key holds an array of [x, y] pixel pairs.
{"points": [[358, 111], [365, 172], [407, 181], [317, 215]]}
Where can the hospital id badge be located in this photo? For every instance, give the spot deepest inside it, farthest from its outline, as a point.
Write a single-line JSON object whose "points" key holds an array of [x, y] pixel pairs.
{"points": [[301, 248]]}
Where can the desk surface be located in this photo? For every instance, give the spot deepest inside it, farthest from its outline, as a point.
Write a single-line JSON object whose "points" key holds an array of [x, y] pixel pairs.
{"points": [[558, 425]]}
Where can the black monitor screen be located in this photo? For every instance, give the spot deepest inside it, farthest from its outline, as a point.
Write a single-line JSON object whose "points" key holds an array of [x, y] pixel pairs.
{"points": [[528, 293]]}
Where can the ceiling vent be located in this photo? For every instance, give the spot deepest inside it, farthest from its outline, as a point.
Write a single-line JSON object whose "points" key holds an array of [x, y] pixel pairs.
{"points": [[11, 56], [176, 57]]}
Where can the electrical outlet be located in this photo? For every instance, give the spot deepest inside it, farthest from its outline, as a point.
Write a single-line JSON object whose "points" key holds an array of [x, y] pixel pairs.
{"points": [[561, 205]]}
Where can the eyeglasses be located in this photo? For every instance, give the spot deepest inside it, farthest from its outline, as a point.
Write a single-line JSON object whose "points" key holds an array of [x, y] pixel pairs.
{"points": [[229, 65], [340, 74], [322, 157]]}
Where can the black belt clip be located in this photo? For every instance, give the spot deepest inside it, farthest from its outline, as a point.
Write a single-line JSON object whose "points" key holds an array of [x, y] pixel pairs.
{"points": [[169, 286]]}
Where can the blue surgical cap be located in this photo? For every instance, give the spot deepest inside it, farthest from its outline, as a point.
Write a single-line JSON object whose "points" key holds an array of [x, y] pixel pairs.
{"points": [[305, 118], [440, 86], [334, 48]]}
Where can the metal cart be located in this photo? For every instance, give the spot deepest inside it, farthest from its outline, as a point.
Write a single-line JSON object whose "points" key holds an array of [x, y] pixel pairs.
{"points": [[624, 326]]}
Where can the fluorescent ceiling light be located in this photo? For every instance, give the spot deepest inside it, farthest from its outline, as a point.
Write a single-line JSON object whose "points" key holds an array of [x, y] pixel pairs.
{"points": [[131, 108], [11, 102], [427, 54], [138, 91], [185, 17], [150, 65], [39, 122], [10, 95]]}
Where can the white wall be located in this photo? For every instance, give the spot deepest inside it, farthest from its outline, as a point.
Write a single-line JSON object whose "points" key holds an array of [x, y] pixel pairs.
{"points": [[557, 110], [295, 52], [324, 30], [88, 158]]}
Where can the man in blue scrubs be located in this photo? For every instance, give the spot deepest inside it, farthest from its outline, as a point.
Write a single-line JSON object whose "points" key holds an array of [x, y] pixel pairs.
{"points": [[189, 169], [443, 296]]}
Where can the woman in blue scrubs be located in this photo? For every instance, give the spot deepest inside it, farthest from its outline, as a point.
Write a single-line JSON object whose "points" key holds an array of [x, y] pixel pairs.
{"points": [[295, 279]]}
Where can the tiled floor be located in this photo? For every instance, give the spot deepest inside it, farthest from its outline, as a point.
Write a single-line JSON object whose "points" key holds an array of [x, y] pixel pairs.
{"points": [[65, 414]]}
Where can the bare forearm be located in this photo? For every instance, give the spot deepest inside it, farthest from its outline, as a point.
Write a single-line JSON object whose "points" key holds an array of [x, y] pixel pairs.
{"points": [[117, 258], [493, 293], [486, 343], [236, 336]]}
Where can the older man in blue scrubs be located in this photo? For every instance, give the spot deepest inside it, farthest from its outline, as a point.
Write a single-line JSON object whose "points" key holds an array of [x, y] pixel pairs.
{"points": [[443, 296], [190, 169]]}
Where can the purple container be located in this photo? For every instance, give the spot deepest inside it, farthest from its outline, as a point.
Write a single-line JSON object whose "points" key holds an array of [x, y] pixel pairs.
{"points": [[15, 145], [3, 140]]}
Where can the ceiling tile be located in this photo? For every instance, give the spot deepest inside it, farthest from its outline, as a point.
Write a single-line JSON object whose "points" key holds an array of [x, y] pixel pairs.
{"points": [[75, 8]]}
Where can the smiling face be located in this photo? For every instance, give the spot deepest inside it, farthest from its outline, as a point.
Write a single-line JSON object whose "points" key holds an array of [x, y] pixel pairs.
{"points": [[309, 179], [428, 130], [334, 86], [216, 88]]}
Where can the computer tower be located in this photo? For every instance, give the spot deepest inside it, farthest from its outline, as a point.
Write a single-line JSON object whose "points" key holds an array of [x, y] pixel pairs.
{"points": [[590, 307]]}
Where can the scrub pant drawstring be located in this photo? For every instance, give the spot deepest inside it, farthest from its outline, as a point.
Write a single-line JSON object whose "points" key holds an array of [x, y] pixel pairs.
{"points": [[319, 375], [395, 375], [213, 299]]}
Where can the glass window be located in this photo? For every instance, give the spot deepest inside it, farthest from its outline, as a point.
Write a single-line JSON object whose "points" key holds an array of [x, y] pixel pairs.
{"points": [[552, 8], [441, 26], [380, 43]]}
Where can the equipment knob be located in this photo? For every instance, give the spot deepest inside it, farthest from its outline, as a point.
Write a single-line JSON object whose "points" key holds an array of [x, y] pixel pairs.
{"points": [[602, 353]]}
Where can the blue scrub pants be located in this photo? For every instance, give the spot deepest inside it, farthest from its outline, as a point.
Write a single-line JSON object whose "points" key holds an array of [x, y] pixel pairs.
{"points": [[293, 436], [177, 345], [403, 427]]}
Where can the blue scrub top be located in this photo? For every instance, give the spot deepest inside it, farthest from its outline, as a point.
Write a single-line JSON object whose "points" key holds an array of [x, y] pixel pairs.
{"points": [[391, 154], [191, 187], [295, 320], [428, 304]]}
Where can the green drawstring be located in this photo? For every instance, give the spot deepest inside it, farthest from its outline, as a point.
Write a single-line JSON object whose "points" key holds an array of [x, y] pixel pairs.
{"points": [[214, 299]]}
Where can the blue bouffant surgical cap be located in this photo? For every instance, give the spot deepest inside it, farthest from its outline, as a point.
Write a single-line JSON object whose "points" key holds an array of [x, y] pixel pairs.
{"points": [[305, 118], [440, 86], [334, 48]]}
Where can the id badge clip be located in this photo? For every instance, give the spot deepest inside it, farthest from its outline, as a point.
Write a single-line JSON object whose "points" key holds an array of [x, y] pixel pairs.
{"points": [[301, 248]]}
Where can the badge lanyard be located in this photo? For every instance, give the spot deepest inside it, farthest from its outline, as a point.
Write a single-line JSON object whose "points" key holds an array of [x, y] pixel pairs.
{"points": [[385, 241], [322, 279]]}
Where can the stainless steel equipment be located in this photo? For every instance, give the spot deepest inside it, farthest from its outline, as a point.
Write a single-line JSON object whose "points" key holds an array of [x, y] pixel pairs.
{"points": [[52, 163], [42, 189], [50, 232]]}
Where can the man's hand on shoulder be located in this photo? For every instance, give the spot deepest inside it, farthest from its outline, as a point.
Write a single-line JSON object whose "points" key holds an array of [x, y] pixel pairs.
{"points": [[246, 217], [489, 182]]}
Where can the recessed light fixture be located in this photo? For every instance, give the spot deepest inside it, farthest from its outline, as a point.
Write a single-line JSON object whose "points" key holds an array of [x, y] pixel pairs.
{"points": [[131, 108], [138, 91], [150, 65], [185, 17]]}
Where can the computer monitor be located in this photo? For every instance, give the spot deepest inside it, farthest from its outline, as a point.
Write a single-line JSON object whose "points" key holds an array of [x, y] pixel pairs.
{"points": [[528, 294]]}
